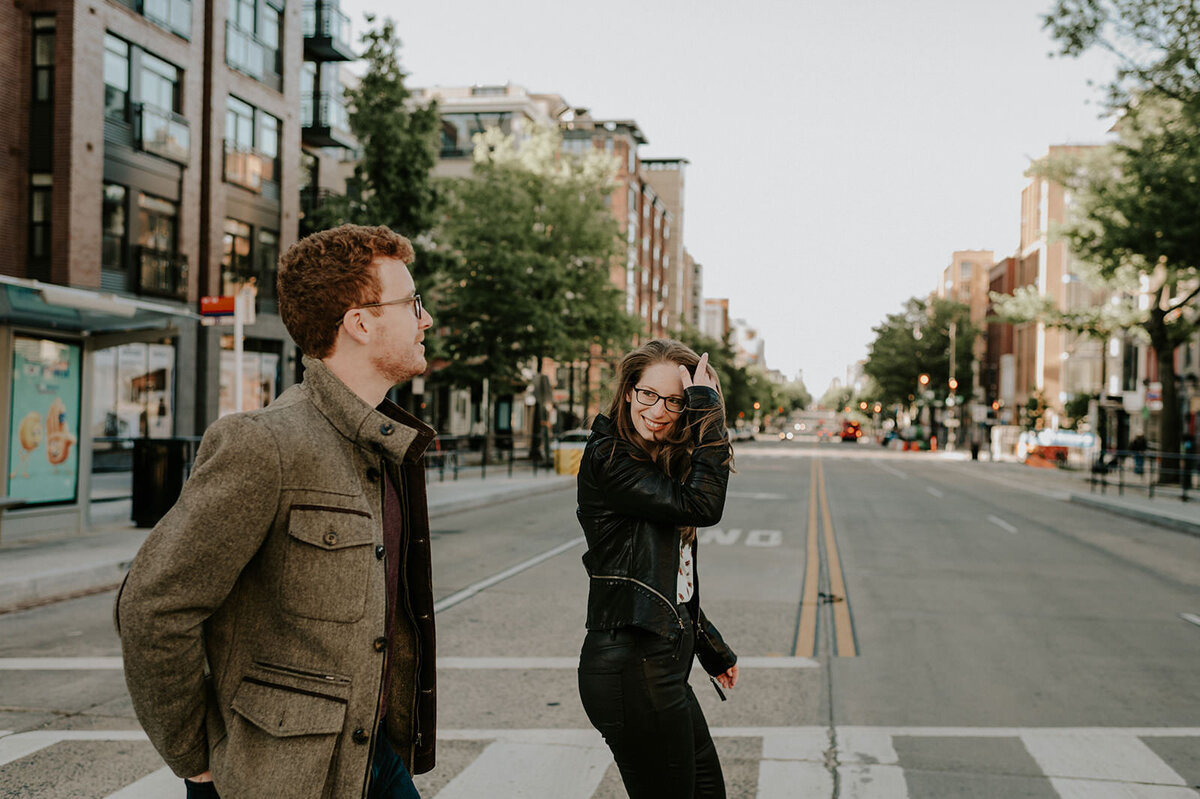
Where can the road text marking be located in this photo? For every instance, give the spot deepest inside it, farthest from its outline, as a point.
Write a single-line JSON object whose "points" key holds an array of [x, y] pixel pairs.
{"points": [[1190, 617], [934, 491]]}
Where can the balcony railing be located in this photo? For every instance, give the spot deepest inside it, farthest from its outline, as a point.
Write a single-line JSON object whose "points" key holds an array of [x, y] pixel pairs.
{"points": [[162, 132], [174, 15], [162, 274], [247, 168], [245, 53], [327, 31], [324, 120]]}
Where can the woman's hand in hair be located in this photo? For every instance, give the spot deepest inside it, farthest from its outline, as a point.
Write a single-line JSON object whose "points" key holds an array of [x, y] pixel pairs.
{"points": [[704, 375]]}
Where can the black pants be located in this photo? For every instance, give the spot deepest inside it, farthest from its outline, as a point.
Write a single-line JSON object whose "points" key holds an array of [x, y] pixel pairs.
{"points": [[634, 687]]}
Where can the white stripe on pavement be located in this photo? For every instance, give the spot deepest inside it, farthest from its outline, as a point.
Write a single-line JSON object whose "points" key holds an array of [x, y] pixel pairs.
{"points": [[512, 770], [14, 747], [1190, 617], [787, 779], [1003, 525], [1103, 761], [153, 786], [872, 782], [751, 495], [472, 590], [1089, 789], [891, 470], [934, 491]]}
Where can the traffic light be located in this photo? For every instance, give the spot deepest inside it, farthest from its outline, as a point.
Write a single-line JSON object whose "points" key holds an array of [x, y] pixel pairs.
{"points": [[923, 380], [953, 384], [996, 405], [862, 406], [878, 407], [757, 406]]}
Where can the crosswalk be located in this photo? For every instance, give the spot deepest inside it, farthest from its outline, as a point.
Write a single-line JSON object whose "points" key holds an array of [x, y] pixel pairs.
{"points": [[863, 762]]}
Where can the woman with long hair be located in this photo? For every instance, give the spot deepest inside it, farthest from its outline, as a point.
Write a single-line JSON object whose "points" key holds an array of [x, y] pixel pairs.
{"points": [[655, 468]]}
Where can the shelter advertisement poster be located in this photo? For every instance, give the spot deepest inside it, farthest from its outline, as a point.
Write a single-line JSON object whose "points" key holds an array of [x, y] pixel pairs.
{"points": [[43, 451]]}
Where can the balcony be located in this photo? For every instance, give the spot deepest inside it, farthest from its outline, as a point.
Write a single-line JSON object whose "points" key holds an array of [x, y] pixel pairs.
{"points": [[326, 32], [162, 274], [162, 133], [174, 15], [248, 169], [245, 53], [324, 121]]}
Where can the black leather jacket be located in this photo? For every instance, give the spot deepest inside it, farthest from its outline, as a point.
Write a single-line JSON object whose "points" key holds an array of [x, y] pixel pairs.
{"points": [[631, 512]]}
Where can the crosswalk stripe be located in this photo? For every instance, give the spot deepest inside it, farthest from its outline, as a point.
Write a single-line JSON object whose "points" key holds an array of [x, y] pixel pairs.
{"points": [[787, 779], [155, 785], [860, 781], [513, 770], [1100, 757], [1090, 789]]}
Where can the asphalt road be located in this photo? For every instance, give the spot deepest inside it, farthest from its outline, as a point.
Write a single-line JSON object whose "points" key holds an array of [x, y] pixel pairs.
{"points": [[908, 626]]}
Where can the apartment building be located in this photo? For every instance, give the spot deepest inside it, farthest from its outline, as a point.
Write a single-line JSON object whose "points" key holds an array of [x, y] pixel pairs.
{"points": [[145, 142]]}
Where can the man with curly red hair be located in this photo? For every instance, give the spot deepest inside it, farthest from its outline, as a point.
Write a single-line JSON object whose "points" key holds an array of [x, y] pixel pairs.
{"points": [[277, 625]]}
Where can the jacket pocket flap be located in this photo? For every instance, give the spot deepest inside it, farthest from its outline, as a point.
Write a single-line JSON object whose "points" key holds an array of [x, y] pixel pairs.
{"points": [[330, 528], [285, 712]]}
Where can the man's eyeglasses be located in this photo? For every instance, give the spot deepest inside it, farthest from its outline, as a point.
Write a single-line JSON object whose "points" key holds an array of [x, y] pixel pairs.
{"points": [[650, 398], [415, 299]]}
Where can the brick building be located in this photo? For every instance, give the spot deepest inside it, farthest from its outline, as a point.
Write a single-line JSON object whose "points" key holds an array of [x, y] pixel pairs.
{"points": [[147, 146]]}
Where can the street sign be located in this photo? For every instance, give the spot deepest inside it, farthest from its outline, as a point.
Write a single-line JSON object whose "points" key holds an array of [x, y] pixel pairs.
{"points": [[1154, 396]]}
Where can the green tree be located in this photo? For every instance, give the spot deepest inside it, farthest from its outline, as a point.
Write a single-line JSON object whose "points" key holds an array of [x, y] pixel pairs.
{"points": [[917, 341], [398, 142], [527, 243], [1139, 212]]}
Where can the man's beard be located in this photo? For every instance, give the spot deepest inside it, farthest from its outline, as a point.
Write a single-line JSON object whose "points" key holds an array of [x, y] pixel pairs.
{"points": [[398, 367]]}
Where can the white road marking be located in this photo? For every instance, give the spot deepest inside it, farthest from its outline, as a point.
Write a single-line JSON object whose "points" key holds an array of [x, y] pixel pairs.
{"points": [[716, 535], [764, 538], [1094, 765], [787, 779], [860, 781], [1190, 617], [18, 745], [891, 470], [512, 770], [1019, 485], [471, 590], [153, 786], [934, 491], [1003, 525], [752, 495]]}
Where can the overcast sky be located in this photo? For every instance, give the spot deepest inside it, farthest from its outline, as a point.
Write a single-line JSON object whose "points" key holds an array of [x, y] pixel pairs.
{"points": [[840, 151]]}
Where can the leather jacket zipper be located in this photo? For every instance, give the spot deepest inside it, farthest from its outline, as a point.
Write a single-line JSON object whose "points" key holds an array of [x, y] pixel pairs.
{"points": [[649, 588]]}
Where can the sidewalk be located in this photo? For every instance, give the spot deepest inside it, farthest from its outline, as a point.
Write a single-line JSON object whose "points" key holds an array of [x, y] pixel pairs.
{"points": [[1164, 510], [45, 566]]}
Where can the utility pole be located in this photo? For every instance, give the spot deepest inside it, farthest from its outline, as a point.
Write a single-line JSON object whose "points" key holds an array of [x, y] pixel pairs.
{"points": [[952, 433]]}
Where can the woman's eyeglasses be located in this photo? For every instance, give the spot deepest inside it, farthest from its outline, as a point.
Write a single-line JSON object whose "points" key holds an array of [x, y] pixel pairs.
{"points": [[415, 299], [650, 398]]}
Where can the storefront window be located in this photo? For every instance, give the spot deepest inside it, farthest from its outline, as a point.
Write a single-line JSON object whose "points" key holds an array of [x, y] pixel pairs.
{"points": [[43, 455], [260, 375], [133, 391]]}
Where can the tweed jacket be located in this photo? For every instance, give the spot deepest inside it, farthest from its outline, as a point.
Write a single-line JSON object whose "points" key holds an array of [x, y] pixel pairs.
{"points": [[252, 620]]}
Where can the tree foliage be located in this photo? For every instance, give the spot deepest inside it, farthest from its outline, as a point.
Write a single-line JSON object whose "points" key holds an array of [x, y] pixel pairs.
{"points": [[398, 144], [916, 341], [527, 243], [741, 386], [1138, 212]]}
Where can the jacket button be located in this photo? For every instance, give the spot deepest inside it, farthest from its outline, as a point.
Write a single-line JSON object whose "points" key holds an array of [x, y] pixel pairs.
{"points": [[386, 429], [373, 474], [330, 538], [360, 736], [380, 644], [379, 550]]}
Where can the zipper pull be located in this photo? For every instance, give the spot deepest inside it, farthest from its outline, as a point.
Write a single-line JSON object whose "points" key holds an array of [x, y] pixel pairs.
{"points": [[717, 686]]}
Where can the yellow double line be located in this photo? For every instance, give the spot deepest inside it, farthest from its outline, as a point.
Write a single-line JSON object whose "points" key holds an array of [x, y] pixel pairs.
{"points": [[813, 598]]}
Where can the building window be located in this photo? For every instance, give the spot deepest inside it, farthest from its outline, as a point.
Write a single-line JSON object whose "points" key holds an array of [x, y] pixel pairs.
{"points": [[459, 129], [41, 187], [160, 83], [267, 137], [266, 256], [236, 266], [113, 236], [116, 77], [161, 270], [252, 38], [43, 59], [251, 145]]}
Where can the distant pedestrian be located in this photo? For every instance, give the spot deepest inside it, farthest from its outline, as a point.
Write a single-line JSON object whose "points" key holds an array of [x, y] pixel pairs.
{"points": [[1138, 448], [277, 624], [655, 469]]}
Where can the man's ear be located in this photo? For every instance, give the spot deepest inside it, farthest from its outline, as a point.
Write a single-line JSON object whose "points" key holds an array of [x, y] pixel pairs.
{"points": [[352, 325]]}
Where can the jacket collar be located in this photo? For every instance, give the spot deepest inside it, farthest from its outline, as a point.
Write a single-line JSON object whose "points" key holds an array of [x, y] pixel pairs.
{"points": [[387, 428], [602, 424]]}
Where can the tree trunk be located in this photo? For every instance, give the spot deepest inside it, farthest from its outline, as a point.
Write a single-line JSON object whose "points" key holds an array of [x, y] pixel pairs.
{"points": [[1169, 432]]}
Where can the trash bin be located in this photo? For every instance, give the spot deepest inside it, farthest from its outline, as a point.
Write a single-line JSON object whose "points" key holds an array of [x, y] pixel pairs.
{"points": [[160, 465]]}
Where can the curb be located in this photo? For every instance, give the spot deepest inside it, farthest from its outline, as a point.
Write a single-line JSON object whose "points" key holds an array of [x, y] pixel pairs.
{"points": [[67, 583], [1157, 519]]}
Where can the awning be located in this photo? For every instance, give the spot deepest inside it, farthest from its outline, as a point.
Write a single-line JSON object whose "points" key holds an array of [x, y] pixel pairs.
{"points": [[47, 305]]}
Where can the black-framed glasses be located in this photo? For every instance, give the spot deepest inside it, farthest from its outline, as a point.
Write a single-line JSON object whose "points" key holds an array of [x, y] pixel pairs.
{"points": [[415, 299], [650, 398]]}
